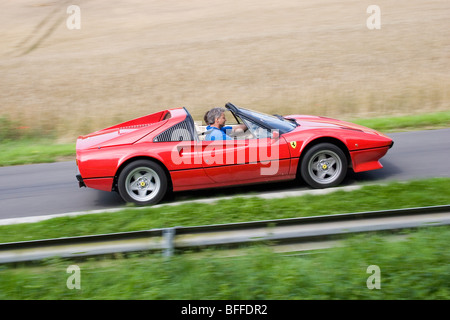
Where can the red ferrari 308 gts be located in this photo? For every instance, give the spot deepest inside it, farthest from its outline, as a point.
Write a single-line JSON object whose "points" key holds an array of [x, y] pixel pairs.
{"points": [[167, 150]]}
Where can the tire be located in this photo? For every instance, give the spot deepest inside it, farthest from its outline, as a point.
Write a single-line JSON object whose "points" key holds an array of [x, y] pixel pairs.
{"points": [[323, 166], [142, 182]]}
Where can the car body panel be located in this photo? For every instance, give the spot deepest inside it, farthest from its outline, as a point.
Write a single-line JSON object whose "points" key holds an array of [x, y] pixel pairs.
{"points": [[365, 146]]}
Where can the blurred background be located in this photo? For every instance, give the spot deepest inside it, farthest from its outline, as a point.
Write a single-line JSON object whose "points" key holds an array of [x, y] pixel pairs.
{"points": [[131, 58]]}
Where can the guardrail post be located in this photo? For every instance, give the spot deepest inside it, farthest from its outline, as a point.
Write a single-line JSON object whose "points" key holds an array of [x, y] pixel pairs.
{"points": [[168, 236]]}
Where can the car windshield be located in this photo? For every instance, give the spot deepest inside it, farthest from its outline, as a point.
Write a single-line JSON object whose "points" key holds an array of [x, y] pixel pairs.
{"points": [[272, 122]]}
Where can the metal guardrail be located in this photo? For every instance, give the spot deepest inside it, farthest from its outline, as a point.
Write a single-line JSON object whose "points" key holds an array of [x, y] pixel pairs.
{"points": [[294, 230]]}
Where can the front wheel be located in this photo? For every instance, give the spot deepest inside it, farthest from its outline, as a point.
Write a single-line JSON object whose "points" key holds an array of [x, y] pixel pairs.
{"points": [[324, 166], [142, 182]]}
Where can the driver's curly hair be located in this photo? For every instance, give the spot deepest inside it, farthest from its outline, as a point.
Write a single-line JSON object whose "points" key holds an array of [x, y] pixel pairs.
{"points": [[211, 116]]}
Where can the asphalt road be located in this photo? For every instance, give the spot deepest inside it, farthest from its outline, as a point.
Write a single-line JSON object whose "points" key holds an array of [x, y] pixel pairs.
{"points": [[43, 189]]}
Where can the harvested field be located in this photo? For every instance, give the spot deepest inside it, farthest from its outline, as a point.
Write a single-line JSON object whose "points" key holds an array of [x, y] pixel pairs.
{"points": [[135, 57]]}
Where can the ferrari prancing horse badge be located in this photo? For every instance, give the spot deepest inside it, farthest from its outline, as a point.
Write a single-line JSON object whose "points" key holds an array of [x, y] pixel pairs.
{"points": [[293, 144]]}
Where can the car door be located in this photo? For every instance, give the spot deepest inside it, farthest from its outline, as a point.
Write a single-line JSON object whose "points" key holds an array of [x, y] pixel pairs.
{"points": [[260, 155]]}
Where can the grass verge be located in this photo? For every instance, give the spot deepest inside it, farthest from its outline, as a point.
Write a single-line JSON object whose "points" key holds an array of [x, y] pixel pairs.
{"points": [[418, 193], [28, 151], [415, 268], [437, 120]]}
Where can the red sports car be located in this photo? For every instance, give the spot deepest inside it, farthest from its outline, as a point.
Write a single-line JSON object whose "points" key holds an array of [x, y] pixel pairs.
{"points": [[167, 150]]}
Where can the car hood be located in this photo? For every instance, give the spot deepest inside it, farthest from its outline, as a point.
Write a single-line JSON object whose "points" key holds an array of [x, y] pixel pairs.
{"points": [[306, 121], [122, 134]]}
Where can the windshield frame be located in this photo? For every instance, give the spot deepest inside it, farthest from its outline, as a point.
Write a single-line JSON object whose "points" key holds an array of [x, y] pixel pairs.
{"points": [[265, 120]]}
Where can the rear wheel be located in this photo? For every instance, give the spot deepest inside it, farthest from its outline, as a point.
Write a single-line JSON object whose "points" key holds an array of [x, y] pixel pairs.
{"points": [[324, 166], [142, 182]]}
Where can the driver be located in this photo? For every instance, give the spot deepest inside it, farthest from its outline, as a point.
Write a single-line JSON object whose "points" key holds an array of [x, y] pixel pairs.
{"points": [[216, 129]]}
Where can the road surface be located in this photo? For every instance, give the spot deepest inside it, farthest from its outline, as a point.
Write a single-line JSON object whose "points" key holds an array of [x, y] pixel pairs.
{"points": [[43, 189]]}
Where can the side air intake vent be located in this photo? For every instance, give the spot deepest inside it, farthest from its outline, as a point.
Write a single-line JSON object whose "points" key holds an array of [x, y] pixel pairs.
{"points": [[179, 132]]}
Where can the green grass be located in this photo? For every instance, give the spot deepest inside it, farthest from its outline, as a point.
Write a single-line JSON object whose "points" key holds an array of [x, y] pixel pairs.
{"points": [[373, 197], [415, 268], [436, 120], [18, 146], [28, 151], [22, 145]]}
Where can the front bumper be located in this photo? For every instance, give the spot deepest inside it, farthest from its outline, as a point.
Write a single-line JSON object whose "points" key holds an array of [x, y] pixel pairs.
{"points": [[368, 159]]}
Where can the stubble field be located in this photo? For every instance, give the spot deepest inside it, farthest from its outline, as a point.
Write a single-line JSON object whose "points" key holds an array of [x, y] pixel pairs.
{"points": [[137, 57]]}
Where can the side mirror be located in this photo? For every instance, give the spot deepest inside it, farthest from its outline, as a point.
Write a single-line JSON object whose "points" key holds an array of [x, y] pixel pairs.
{"points": [[275, 135]]}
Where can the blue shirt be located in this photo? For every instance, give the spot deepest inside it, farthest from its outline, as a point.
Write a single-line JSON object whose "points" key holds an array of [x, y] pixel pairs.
{"points": [[213, 133]]}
